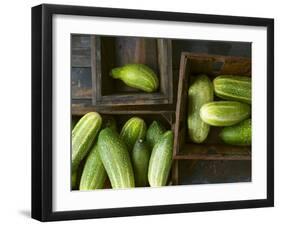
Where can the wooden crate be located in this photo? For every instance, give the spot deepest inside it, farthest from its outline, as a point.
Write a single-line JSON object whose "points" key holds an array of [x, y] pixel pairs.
{"points": [[110, 52], [212, 149]]}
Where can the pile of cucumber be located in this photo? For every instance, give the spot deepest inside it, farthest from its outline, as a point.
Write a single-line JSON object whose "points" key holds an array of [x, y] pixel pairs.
{"points": [[225, 102], [136, 157]]}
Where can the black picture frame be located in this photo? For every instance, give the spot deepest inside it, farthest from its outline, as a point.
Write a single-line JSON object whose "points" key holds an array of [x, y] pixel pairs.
{"points": [[42, 111]]}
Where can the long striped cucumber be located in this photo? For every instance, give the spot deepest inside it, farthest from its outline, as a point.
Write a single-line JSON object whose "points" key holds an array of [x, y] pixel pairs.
{"points": [[231, 87], [200, 92], [240, 134], [140, 160], [116, 159], [94, 174], [138, 76], [134, 129], [154, 132], [224, 113], [83, 136], [161, 160]]}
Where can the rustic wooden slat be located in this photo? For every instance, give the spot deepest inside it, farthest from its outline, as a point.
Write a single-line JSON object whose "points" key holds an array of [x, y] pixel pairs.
{"points": [[240, 49], [214, 152], [165, 67], [80, 51], [81, 107], [180, 121], [175, 172], [81, 83], [213, 171], [133, 99], [216, 64], [81, 57]]}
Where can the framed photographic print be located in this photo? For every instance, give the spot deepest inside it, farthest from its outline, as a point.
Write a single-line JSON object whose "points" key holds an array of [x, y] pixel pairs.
{"points": [[147, 112]]}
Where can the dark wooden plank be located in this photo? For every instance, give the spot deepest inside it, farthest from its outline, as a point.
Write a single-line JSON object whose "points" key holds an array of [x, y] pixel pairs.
{"points": [[96, 68], [180, 121], [175, 172], [213, 171], [214, 65], [81, 83], [80, 51], [239, 49], [78, 109], [80, 41], [165, 67], [133, 99], [214, 152]]}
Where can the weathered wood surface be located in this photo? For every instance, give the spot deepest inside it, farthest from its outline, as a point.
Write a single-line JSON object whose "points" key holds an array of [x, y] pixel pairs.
{"points": [[214, 65], [214, 152], [214, 171], [81, 80], [80, 51], [180, 122], [81, 107], [238, 49]]}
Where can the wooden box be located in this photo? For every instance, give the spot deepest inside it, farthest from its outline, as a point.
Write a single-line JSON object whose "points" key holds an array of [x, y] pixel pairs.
{"points": [[110, 52], [212, 149]]}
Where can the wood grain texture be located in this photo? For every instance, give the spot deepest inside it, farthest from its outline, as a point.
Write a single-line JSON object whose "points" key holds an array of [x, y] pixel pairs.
{"points": [[81, 83], [214, 171], [80, 51], [214, 152]]}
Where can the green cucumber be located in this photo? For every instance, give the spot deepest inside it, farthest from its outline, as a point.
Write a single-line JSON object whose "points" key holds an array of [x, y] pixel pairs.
{"points": [[140, 160], [154, 132], [83, 136], [138, 76], [200, 92], [116, 159], [240, 134], [230, 87], [161, 160], [224, 113], [134, 129], [94, 174]]}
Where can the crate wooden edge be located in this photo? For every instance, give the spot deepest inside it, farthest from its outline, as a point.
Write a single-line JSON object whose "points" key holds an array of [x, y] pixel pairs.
{"points": [[181, 104], [164, 96]]}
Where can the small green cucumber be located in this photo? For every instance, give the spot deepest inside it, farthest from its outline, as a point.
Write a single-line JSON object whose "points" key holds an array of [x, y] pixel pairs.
{"points": [[134, 129], [138, 76], [161, 160], [116, 159], [154, 132], [140, 160], [94, 174], [240, 134], [224, 113], [83, 136], [230, 87], [200, 92]]}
